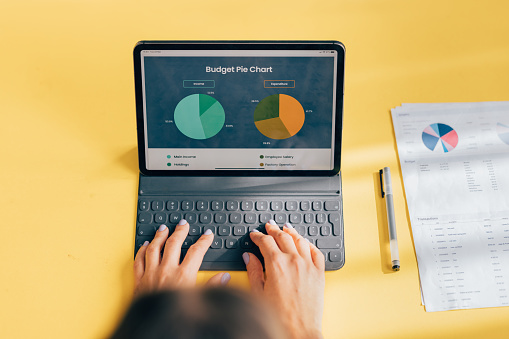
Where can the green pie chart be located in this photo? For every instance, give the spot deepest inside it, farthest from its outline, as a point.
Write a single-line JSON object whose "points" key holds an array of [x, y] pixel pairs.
{"points": [[199, 116]]}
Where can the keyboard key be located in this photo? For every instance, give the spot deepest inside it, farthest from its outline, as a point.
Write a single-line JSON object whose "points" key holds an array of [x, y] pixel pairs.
{"points": [[220, 218], [157, 205], [292, 205], [309, 218], [191, 218], [222, 255], [235, 218], [280, 218], [335, 256], [321, 218], [250, 218], [187, 205], [301, 230], [239, 230], [325, 230], [262, 205], [276, 205], [187, 242], [160, 217], [232, 205], [231, 243], [217, 243], [211, 228], [202, 205], [175, 218], [317, 205], [247, 205], [217, 205], [313, 230], [265, 217], [143, 205], [194, 230], [172, 205], [335, 220], [251, 228], [146, 230], [223, 230], [295, 218], [205, 218], [325, 255], [246, 243], [330, 242], [332, 205], [305, 205], [144, 218]]}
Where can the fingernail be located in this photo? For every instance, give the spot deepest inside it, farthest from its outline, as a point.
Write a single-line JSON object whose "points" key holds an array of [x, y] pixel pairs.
{"points": [[146, 243], [182, 222], [208, 232], [272, 222], [255, 230], [288, 225], [225, 278], [245, 256], [162, 228]]}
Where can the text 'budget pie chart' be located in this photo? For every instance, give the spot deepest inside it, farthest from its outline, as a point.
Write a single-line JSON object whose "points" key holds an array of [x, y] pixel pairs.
{"points": [[503, 132], [279, 116], [440, 137], [199, 116]]}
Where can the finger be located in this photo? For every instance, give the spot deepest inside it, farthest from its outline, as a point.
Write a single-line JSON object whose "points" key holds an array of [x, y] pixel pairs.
{"points": [[139, 262], [196, 252], [219, 279], [171, 256], [317, 257], [301, 243], [153, 253], [254, 272], [283, 240], [266, 243]]}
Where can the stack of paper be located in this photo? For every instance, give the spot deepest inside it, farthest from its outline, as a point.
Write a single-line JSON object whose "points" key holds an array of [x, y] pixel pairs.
{"points": [[455, 164]]}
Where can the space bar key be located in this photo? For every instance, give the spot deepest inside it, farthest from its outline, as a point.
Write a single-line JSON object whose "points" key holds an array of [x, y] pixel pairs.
{"points": [[222, 255]]}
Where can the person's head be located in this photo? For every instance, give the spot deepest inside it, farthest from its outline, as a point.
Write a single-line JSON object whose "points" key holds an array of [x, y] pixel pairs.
{"points": [[207, 313]]}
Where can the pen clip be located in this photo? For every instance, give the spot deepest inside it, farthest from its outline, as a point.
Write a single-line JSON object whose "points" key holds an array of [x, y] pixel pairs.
{"points": [[381, 183]]}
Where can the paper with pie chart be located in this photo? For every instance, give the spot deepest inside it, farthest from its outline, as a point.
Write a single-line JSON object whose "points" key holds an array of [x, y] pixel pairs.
{"points": [[199, 116], [454, 160], [440, 137], [279, 116]]}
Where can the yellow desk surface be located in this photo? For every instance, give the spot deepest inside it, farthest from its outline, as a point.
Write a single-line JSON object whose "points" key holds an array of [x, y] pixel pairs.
{"points": [[69, 161]]}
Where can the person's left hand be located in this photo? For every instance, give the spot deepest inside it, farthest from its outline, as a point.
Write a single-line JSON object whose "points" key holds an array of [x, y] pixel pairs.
{"points": [[154, 272]]}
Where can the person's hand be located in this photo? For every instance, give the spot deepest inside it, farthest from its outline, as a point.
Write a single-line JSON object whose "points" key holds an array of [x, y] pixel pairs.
{"points": [[154, 272], [294, 282]]}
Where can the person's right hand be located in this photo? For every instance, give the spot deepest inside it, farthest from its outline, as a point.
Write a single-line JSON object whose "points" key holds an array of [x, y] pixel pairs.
{"points": [[294, 281]]}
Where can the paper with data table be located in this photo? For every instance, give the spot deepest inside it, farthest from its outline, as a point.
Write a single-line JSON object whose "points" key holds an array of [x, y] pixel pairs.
{"points": [[455, 164]]}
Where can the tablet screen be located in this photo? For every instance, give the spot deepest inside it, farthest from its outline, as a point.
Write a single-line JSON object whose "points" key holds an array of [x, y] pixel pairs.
{"points": [[239, 110]]}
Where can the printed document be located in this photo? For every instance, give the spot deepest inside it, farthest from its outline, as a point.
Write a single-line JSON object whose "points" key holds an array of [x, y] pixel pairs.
{"points": [[455, 164]]}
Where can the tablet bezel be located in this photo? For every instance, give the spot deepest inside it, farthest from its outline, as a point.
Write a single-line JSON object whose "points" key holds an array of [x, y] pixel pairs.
{"points": [[239, 45]]}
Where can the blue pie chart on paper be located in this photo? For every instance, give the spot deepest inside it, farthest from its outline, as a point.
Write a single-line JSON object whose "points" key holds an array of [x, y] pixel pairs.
{"points": [[503, 132], [440, 137], [199, 116]]}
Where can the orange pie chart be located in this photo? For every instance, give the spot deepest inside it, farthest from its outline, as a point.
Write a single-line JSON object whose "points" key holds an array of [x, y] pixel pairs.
{"points": [[279, 116]]}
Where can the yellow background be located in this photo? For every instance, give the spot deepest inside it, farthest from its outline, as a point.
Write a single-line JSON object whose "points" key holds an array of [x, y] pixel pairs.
{"points": [[69, 161]]}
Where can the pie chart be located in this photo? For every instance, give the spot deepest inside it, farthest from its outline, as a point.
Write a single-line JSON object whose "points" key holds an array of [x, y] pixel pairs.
{"points": [[440, 137], [503, 132], [199, 116], [279, 116]]}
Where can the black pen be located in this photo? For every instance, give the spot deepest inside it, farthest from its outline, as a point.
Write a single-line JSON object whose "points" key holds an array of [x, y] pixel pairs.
{"points": [[391, 220]]}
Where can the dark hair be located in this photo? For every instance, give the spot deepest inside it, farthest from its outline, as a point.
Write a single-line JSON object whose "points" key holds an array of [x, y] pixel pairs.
{"points": [[207, 313]]}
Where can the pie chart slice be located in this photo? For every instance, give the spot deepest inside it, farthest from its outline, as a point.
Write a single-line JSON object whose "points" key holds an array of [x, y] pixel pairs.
{"points": [[503, 132], [279, 116], [199, 116], [440, 137]]}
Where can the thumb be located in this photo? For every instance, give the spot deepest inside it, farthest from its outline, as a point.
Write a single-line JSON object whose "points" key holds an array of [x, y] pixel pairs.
{"points": [[219, 279], [254, 272]]}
